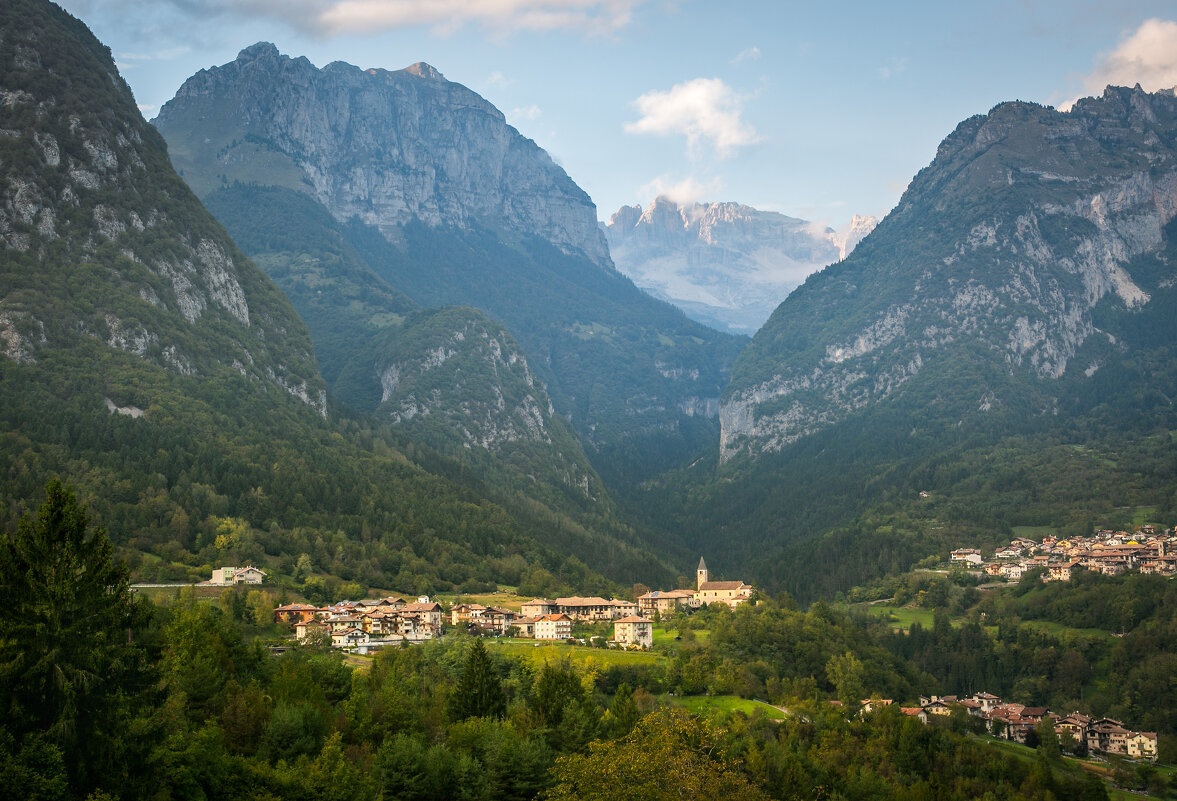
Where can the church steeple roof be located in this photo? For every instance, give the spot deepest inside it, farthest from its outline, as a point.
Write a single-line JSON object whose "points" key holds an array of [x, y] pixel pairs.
{"points": [[702, 564]]}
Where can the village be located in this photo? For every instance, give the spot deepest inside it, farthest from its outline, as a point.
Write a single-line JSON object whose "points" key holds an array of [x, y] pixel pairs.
{"points": [[1019, 723], [1107, 552], [365, 626], [368, 625]]}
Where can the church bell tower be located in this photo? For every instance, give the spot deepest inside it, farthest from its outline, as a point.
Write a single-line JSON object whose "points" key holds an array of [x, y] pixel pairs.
{"points": [[701, 574]]}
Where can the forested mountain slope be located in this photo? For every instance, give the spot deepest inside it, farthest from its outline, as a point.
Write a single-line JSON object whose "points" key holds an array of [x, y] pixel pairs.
{"points": [[150, 363], [1004, 339]]}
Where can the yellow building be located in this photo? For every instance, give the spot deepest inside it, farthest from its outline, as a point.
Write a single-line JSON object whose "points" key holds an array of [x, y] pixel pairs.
{"points": [[732, 593]]}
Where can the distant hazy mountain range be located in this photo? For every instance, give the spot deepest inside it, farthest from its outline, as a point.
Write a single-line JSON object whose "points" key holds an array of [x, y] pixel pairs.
{"points": [[725, 264]]}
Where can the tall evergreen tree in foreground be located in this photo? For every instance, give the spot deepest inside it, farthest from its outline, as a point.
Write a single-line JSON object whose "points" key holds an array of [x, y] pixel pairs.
{"points": [[68, 663], [479, 693]]}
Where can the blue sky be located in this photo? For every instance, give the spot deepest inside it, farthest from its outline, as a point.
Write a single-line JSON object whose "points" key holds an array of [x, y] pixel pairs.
{"points": [[816, 110]]}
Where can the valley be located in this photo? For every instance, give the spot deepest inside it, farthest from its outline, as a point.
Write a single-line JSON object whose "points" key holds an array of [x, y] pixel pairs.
{"points": [[342, 338]]}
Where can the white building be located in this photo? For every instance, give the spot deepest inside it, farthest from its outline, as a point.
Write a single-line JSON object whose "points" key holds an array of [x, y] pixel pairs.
{"points": [[553, 627], [634, 630]]}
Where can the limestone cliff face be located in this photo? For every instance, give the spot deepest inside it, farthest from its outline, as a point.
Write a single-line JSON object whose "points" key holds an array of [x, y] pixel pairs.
{"points": [[1027, 227], [445, 377], [100, 238], [457, 380], [386, 147], [725, 264]]}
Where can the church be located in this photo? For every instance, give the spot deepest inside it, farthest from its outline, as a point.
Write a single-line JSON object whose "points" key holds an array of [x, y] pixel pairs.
{"points": [[732, 593]]}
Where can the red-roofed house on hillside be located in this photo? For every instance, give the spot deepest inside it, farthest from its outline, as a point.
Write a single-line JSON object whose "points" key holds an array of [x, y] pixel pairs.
{"points": [[430, 612], [553, 627], [537, 607], [662, 601], [293, 614]]}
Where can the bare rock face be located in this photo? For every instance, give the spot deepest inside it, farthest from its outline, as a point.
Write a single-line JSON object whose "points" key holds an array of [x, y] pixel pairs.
{"points": [[457, 380], [726, 265], [386, 147], [1029, 228], [447, 379], [100, 238]]}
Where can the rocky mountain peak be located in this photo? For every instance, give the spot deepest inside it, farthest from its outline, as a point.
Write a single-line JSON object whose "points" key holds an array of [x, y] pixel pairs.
{"points": [[385, 147], [257, 52], [101, 238], [423, 70]]}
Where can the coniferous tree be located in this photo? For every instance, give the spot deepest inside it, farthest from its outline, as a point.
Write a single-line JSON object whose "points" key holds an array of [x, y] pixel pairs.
{"points": [[68, 663], [479, 693]]}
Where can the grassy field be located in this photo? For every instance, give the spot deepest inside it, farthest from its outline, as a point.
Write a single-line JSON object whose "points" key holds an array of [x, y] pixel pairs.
{"points": [[1034, 532], [578, 654], [707, 704], [663, 636], [1144, 514], [1059, 629], [901, 617]]}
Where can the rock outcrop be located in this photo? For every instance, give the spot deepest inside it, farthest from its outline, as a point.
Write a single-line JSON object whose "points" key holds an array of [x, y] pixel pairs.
{"points": [[1023, 250]]}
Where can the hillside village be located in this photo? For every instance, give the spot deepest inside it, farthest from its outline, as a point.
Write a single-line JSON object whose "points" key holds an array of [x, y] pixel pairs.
{"points": [[1108, 552], [1020, 723], [369, 625], [363, 627]]}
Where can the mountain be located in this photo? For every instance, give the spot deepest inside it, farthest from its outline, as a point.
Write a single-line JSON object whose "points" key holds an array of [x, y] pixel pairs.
{"points": [[725, 264], [89, 200], [383, 147], [451, 379], [1003, 342], [448, 204], [150, 363], [1026, 258]]}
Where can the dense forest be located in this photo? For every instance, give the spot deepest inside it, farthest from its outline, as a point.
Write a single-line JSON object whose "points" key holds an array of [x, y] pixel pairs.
{"points": [[106, 695]]}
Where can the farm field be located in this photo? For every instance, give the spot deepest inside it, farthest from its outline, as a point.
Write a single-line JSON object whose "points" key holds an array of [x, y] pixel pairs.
{"points": [[577, 654]]}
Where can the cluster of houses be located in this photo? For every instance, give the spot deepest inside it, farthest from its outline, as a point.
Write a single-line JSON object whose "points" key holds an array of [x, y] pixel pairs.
{"points": [[364, 626], [1016, 721], [1108, 552]]}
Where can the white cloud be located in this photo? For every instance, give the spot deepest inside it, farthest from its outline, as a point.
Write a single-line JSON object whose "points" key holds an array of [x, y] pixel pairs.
{"points": [[893, 67], [683, 192], [705, 109], [1148, 57], [751, 54], [498, 80], [531, 112]]}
